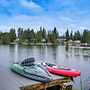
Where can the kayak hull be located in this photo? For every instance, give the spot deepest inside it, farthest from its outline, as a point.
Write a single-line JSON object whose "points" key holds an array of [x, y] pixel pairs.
{"points": [[63, 71], [32, 77], [70, 73], [31, 72]]}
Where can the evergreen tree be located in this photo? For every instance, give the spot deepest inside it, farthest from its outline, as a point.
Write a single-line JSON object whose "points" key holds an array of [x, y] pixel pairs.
{"points": [[85, 36], [44, 33], [0, 34], [78, 35], [49, 36], [40, 28], [26, 35], [32, 34], [20, 33], [71, 35], [67, 35], [12, 34], [39, 36], [75, 36], [55, 32], [89, 37]]}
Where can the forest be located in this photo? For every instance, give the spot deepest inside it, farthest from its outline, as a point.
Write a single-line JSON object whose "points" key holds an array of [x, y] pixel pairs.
{"points": [[42, 36]]}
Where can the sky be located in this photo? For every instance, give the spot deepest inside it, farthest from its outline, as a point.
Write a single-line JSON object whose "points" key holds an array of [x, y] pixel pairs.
{"points": [[63, 14]]}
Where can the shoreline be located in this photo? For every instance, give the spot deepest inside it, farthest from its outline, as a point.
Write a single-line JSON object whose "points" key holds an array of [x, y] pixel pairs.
{"points": [[50, 44]]}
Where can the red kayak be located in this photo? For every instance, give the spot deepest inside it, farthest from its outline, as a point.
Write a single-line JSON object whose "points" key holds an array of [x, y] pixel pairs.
{"points": [[59, 70]]}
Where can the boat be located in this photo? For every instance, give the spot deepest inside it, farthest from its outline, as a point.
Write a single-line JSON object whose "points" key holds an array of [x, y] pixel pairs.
{"points": [[29, 69], [60, 70]]}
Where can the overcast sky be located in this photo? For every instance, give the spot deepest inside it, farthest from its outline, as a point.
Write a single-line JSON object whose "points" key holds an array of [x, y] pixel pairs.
{"points": [[64, 14]]}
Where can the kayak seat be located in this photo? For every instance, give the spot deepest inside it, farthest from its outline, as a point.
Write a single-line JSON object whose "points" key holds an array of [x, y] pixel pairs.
{"points": [[28, 62]]}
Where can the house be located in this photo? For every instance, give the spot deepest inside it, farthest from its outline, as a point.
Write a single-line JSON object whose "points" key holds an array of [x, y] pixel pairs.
{"points": [[61, 40]]}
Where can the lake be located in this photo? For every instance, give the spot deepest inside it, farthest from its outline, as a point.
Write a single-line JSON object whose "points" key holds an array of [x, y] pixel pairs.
{"points": [[69, 56]]}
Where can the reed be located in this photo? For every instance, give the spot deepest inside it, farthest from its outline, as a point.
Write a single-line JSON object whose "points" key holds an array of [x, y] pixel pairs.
{"points": [[81, 83]]}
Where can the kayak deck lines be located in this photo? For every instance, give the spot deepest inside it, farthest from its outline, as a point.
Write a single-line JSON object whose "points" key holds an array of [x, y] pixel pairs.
{"points": [[29, 69]]}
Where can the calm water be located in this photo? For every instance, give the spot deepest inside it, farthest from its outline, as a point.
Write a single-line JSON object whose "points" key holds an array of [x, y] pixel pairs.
{"points": [[59, 55]]}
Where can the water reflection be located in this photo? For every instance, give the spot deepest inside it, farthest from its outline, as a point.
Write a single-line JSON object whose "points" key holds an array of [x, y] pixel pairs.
{"points": [[69, 56], [67, 48], [40, 53], [52, 51]]}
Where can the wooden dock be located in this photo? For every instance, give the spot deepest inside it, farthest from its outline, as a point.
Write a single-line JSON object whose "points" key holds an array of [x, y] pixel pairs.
{"points": [[12, 81], [57, 81]]}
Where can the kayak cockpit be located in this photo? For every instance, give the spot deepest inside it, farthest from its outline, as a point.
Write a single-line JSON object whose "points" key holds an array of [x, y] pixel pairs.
{"points": [[29, 69]]}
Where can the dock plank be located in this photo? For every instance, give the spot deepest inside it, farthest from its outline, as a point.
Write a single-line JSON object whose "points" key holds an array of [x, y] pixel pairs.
{"points": [[11, 81]]}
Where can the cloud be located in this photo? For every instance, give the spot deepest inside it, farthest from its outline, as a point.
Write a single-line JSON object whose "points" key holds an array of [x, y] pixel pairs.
{"points": [[46, 21], [64, 14], [34, 22], [82, 27], [31, 4], [4, 28], [65, 18]]}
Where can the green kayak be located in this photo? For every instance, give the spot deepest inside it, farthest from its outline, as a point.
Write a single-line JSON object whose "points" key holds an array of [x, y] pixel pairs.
{"points": [[29, 69]]}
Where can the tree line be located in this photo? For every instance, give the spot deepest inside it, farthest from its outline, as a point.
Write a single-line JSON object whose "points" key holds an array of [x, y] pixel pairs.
{"points": [[42, 36], [29, 36], [84, 36]]}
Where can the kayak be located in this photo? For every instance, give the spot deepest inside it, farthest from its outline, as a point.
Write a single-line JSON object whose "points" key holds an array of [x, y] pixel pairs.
{"points": [[60, 70], [28, 69]]}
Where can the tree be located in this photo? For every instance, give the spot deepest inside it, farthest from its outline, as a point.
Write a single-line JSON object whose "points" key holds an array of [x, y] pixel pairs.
{"points": [[26, 35], [0, 37], [55, 32], [67, 35], [75, 36], [5, 38], [78, 35], [32, 35], [52, 36], [0, 34], [39, 36], [20, 33], [44, 33], [85, 36], [40, 28], [12, 34], [49, 36], [89, 37], [71, 35]]}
